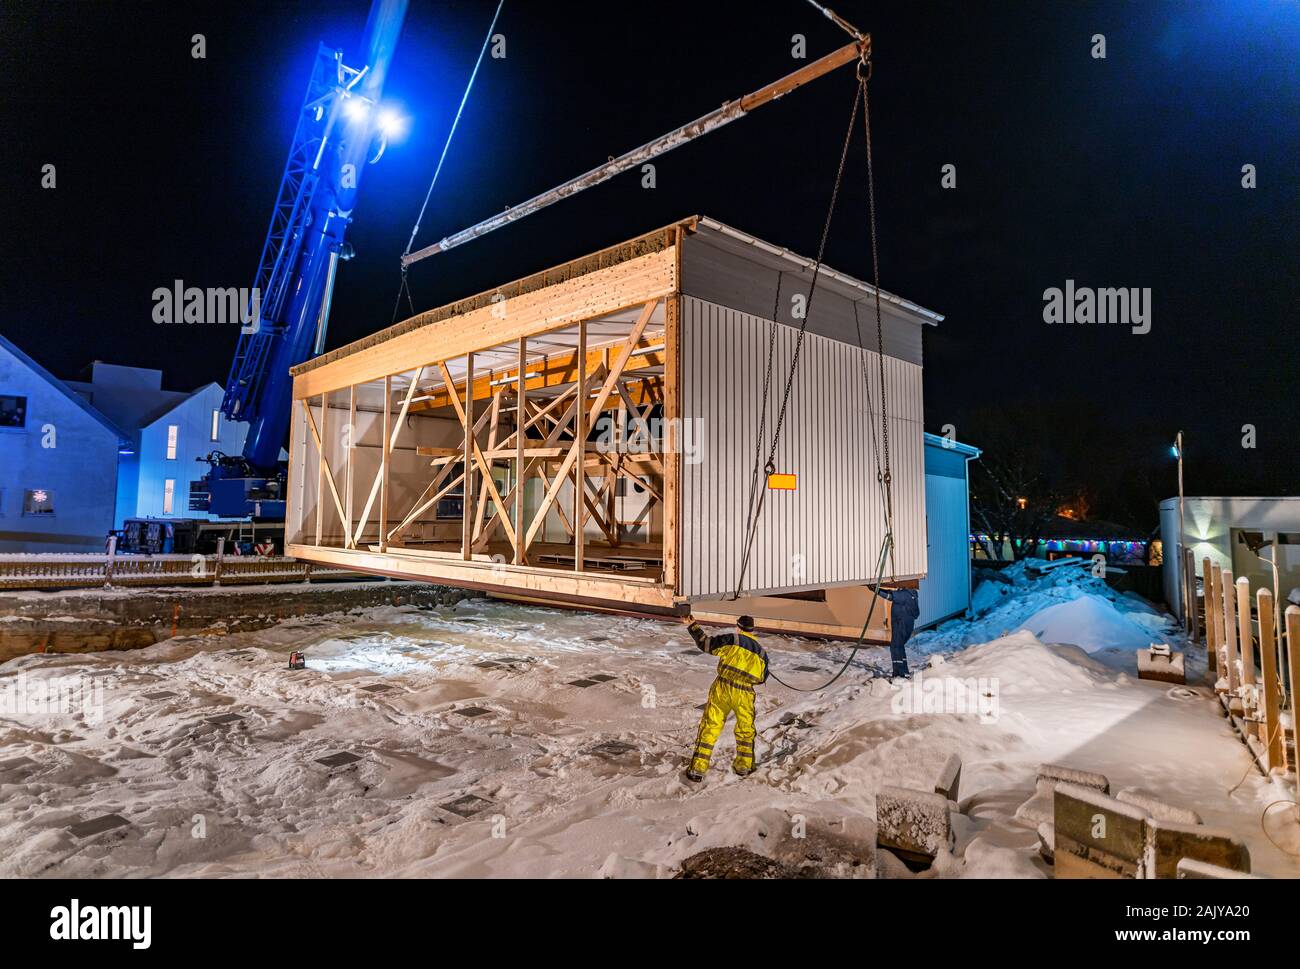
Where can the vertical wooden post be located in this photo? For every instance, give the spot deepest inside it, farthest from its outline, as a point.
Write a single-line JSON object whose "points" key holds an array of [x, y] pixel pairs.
{"points": [[1292, 620], [1189, 605], [672, 439], [1230, 631], [385, 459], [1216, 609], [580, 470], [1207, 587], [1245, 635], [320, 470], [1271, 732], [352, 447], [616, 510], [467, 504], [221, 556], [521, 395], [109, 552]]}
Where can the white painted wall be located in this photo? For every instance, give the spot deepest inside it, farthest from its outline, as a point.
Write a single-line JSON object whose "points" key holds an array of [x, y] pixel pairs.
{"points": [[1211, 525], [193, 420], [79, 471]]}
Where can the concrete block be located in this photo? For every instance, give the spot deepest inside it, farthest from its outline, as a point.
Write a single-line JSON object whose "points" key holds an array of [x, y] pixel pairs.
{"points": [[1096, 835], [913, 824], [1191, 868], [1157, 808], [1171, 842], [1047, 841], [949, 778], [1159, 662], [1039, 807]]}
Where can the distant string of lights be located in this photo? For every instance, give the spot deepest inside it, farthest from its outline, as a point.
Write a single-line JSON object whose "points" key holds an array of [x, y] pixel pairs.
{"points": [[1074, 544]]}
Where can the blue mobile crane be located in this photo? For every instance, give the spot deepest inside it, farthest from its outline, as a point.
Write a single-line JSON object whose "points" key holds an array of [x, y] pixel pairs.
{"points": [[341, 128]]}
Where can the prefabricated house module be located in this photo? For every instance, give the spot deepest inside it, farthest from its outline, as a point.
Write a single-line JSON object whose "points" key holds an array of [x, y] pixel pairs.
{"points": [[589, 435]]}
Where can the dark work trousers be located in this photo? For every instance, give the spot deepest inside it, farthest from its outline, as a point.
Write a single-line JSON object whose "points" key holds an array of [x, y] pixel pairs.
{"points": [[904, 610]]}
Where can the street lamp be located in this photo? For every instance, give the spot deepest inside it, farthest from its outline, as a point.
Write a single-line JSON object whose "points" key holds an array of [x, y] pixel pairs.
{"points": [[1188, 621]]}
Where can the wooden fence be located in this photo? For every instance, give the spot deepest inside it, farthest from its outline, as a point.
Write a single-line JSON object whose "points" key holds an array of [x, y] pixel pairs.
{"points": [[1249, 650]]}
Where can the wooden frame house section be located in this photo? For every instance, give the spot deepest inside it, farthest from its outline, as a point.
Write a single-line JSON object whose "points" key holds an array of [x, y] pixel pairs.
{"points": [[586, 435]]}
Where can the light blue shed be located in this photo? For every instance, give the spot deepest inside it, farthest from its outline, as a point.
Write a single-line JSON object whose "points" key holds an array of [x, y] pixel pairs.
{"points": [[945, 590]]}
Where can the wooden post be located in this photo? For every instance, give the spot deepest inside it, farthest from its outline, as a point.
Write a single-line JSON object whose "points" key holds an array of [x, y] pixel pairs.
{"points": [[619, 435], [1207, 587], [1189, 606], [467, 504], [1292, 620], [1245, 636], [352, 447], [1230, 631], [320, 463], [580, 471], [1216, 618], [385, 463], [221, 554], [521, 396], [1271, 727], [109, 552]]}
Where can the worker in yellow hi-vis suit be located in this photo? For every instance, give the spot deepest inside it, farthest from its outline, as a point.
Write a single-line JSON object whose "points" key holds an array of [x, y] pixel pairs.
{"points": [[742, 664]]}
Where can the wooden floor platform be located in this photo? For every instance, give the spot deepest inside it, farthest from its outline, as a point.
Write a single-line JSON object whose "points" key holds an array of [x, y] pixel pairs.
{"points": [[618, 587]]}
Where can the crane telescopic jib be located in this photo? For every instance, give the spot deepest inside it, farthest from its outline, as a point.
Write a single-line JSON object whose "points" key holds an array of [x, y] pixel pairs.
{"points": [[339, 130]]}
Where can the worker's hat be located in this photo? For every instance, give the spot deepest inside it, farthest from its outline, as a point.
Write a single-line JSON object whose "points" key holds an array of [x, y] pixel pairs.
{"points": [[745, 624]]}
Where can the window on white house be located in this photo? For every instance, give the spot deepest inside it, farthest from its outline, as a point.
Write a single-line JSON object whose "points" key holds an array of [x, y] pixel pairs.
{"points": [[173, 433], [169, 495], [216, 425], [13, 411], [38, 501]]}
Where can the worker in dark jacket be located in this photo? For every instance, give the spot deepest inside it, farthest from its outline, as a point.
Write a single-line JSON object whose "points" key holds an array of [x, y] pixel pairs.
{"points": [[903, 612], [742, 664]]}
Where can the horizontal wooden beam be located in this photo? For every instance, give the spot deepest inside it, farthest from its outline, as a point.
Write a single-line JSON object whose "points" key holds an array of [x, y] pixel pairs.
{"points": [[557, 370], [594, 294], [450, 569]]}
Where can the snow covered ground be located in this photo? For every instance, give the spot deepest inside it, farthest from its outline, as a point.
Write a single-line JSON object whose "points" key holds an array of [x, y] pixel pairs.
{"points": [[464, 769]]}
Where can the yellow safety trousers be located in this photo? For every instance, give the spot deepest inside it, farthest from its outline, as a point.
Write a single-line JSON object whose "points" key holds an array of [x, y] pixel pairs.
{"points": [[724, 699]]}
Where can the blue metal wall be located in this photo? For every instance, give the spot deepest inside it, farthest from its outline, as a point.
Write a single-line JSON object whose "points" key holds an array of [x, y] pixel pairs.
{"points": [[945, 591]]}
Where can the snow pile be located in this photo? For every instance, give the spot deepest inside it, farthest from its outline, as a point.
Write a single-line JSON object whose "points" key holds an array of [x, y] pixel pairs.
{"points": [[1021, 663], [1067, 605], [1088, 622]]}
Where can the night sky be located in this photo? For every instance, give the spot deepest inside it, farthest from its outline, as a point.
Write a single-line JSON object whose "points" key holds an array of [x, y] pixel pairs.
{"points": [[1122, 172]]}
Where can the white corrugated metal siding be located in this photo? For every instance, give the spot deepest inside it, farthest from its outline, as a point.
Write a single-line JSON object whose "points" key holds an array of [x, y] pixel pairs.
{"points": [[829, 531]]}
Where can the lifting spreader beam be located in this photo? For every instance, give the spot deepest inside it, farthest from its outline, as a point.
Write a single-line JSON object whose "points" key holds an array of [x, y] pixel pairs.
{"points": [[857, 51]]}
